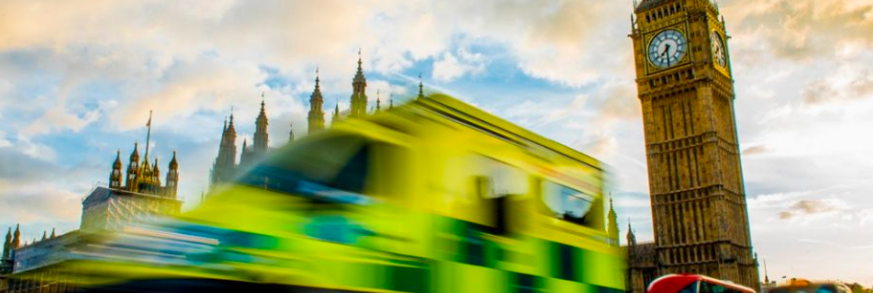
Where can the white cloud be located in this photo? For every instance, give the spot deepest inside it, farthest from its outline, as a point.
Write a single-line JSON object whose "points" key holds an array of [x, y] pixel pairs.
{"points": [[449, 67]]}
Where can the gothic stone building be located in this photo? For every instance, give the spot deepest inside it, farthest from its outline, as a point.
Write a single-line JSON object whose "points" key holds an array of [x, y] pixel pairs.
{"points": [[226, 167], [136, 194], [684, 82]]}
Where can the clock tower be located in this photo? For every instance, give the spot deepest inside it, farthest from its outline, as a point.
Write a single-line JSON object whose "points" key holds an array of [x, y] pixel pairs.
{"points": [[684, 82]]}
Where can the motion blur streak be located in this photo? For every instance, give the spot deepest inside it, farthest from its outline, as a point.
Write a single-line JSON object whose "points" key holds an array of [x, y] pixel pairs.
{"points": [[431, 196]]}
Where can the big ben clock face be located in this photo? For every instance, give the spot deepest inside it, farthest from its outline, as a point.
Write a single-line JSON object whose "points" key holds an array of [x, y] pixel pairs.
{"points": [[719, 55], [667, 48]]}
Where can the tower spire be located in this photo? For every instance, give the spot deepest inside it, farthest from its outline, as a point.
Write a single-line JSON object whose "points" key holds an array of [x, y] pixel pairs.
{"points": [[133, 170], [336, 113], [115, 174], [359, 95], [613, 223], [316, 102], [378, 106], [225, 163], [420, 87], [261, 138], [172, 177], [7, 245], [16, 237]]}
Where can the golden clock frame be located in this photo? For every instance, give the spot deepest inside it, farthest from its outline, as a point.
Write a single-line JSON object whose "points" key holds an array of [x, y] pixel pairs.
{"points": [[682, 28], [727, 58]]}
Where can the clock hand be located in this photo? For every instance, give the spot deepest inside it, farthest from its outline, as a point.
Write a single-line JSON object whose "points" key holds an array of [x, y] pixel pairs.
{"points": [[666, 50]]}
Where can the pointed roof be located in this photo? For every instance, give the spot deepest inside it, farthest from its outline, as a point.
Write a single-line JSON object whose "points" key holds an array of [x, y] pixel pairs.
{"points": [[245, 142], [612, 213], [155, 169], [316, 93], [117, 163], [359, 75], [420, 87], [262, 117], [230, 125], [134, 156], [174, 165], [16, 237], [378, 102]]}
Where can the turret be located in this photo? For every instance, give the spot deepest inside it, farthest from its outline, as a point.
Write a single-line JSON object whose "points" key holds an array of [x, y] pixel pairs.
{"points": [[359, 95], [145, 176], [156, 175], [7, 245], [316, 102], [420, 87], [378, 107], [612, 225], [631, 238], [133, 171], [225, 163], [115, 176], [16, 237], [291, 133], [53, 233], [336, 114], [261, 138], [172, 177]]}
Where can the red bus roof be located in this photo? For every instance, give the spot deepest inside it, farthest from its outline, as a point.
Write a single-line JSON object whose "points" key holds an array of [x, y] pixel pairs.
{"points": [[673, 283]]}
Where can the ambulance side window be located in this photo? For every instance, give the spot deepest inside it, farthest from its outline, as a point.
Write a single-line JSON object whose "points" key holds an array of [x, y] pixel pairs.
{"points": [[566, 203]]}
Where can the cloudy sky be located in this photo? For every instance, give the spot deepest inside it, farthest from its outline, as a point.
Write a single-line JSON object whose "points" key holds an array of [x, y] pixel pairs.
{"points": [[77, 80]]}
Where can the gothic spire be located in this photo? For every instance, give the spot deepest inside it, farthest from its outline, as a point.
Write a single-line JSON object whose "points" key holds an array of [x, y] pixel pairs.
{"points": [[16, 237], [613, 223], [261, 137], [53, 233], [316, 102], [225, 162], [291, 133], [172, 177], [174, 165], [230, 125], [134, 156], [133, 170], [156, 173], [391, 101], [359, 95], [378, 101], [115, 174], [420, 87], [117, 163], [7, 245], [336, 113]]}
